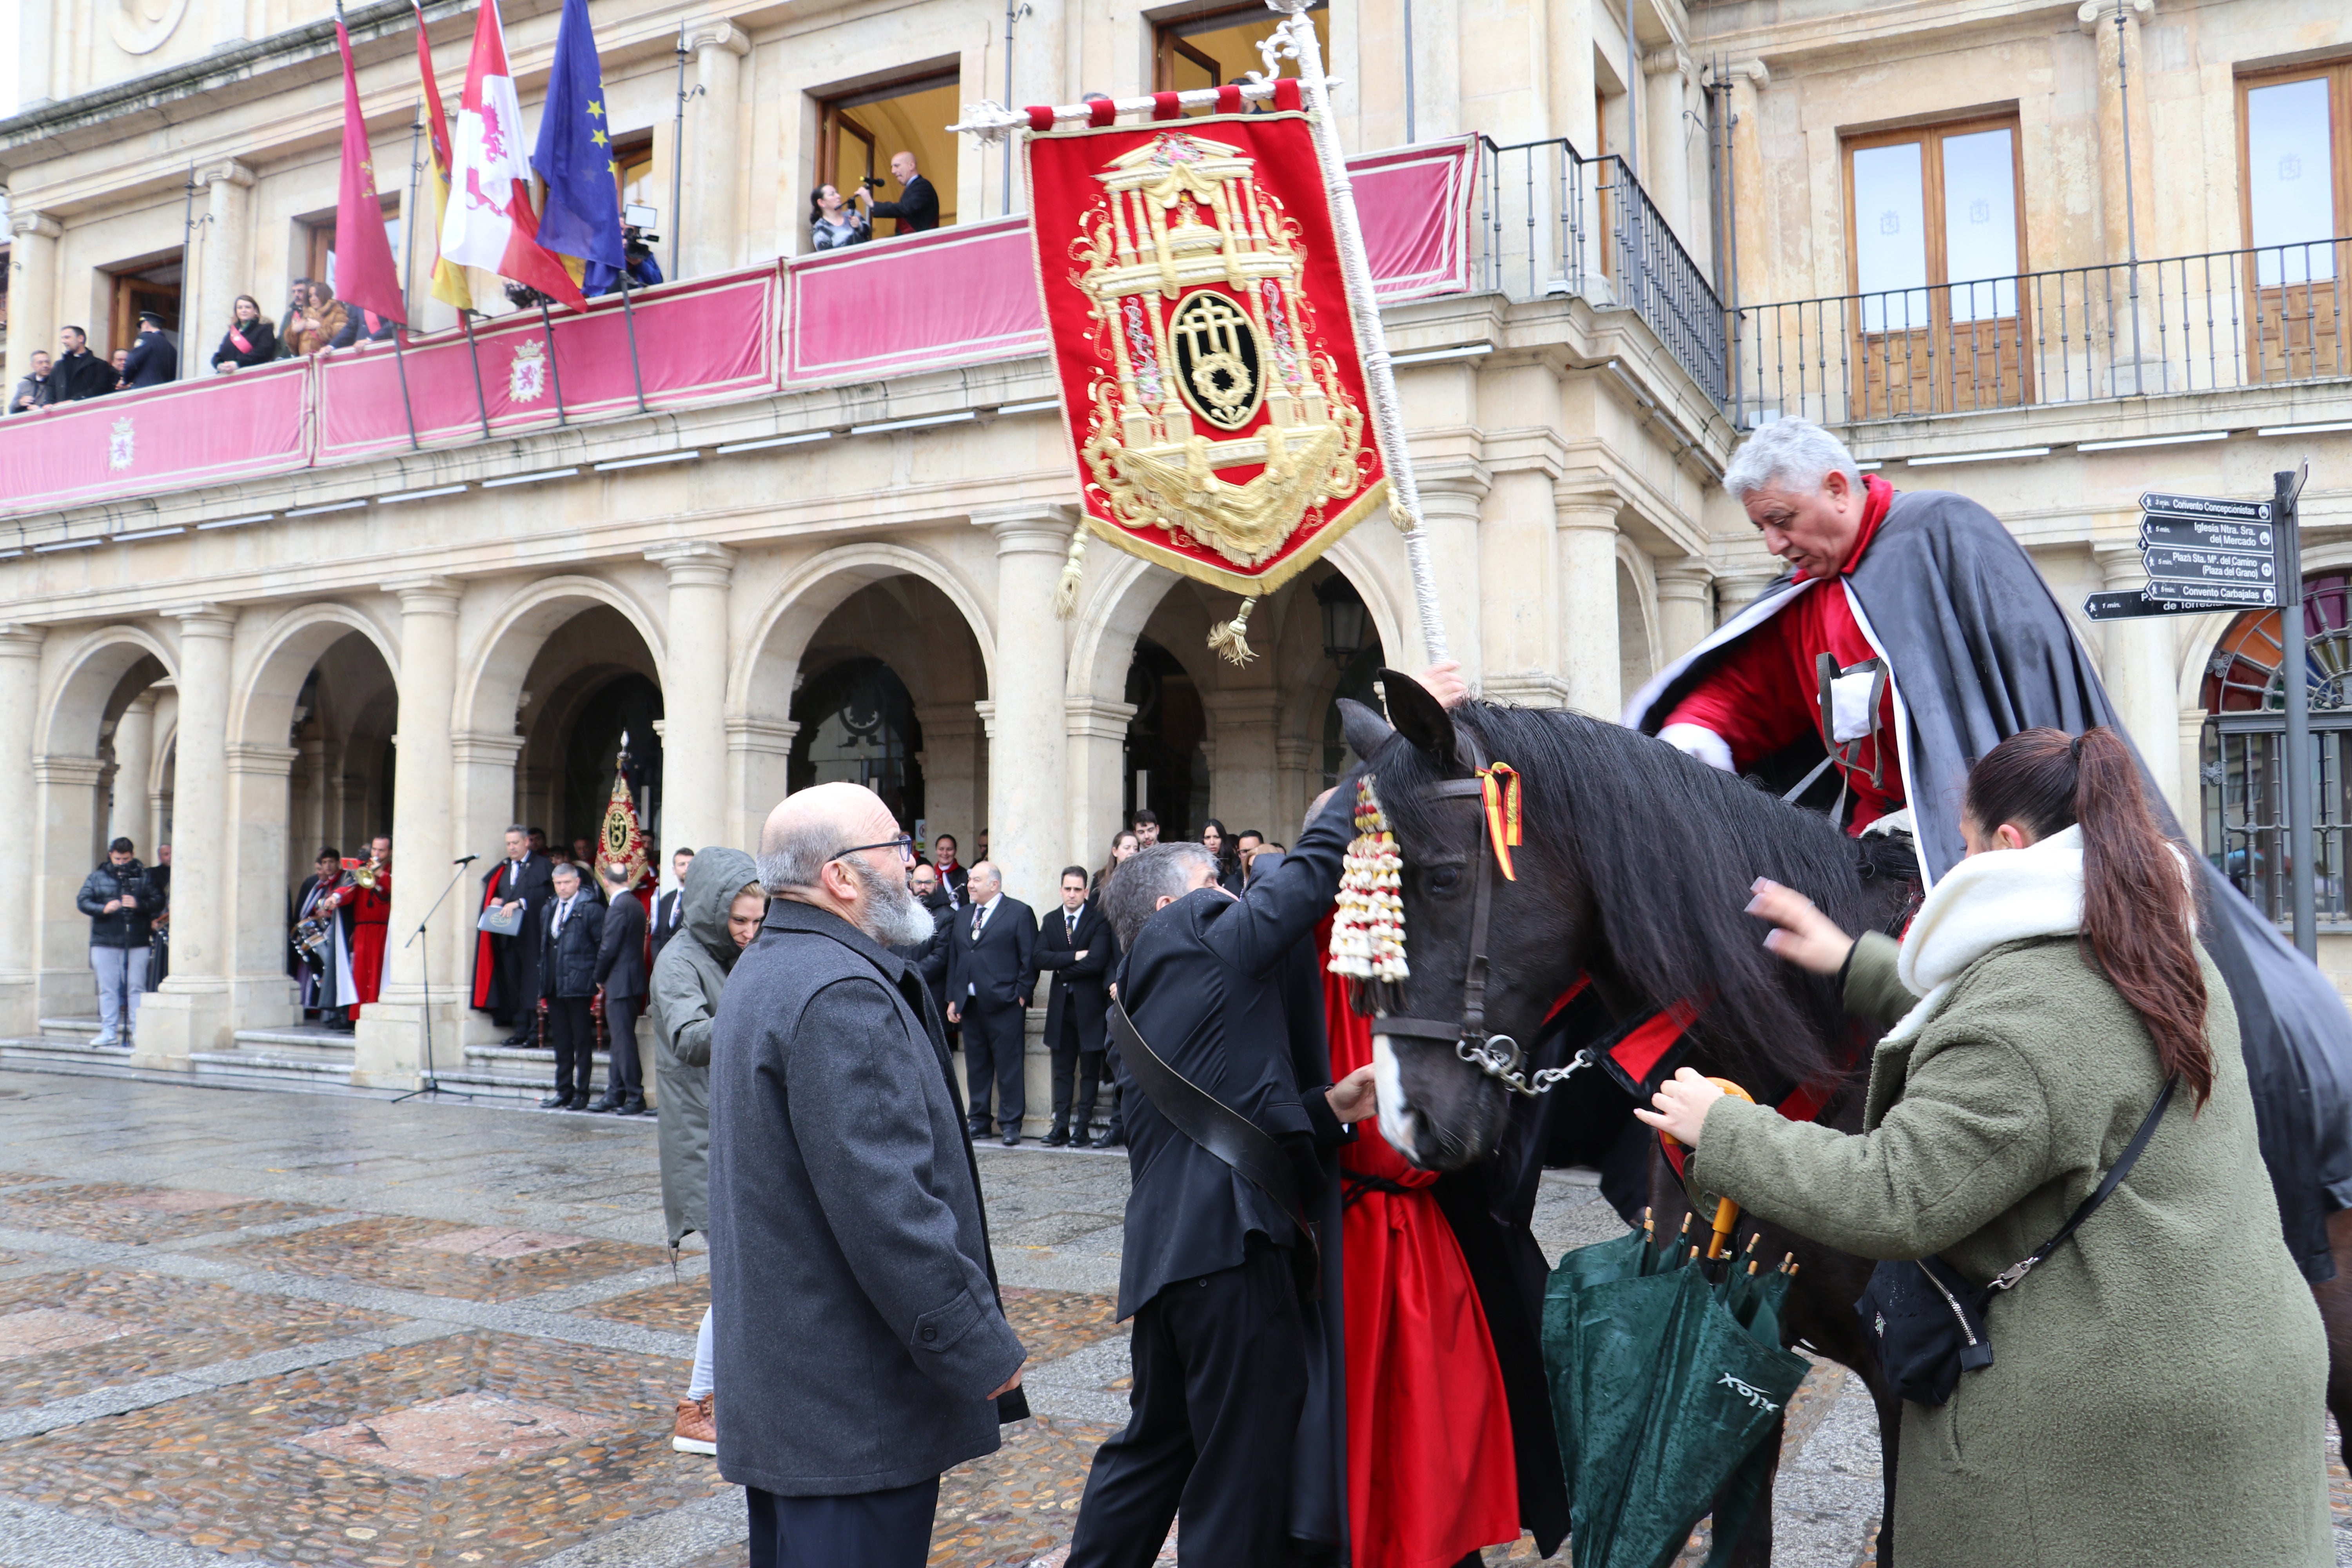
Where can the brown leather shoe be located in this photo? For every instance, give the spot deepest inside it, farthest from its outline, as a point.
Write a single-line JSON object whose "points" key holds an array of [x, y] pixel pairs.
{"points": [[697, 1428]]}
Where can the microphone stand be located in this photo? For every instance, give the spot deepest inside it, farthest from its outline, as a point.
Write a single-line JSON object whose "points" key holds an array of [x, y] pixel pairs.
{"points": [[431, 1082]]}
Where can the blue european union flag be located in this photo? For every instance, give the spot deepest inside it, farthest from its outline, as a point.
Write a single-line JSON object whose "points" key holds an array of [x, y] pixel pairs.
{"points": [[574, 154]]}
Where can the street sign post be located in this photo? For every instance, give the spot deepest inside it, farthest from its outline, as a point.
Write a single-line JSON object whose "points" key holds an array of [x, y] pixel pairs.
{"points": [[2172, 563], [2207, 509], [2134, 603], [2244, 538]]}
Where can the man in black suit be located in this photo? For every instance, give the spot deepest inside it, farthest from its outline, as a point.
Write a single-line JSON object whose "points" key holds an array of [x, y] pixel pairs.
{"points": [[918, 206], [670, 910], [930, 958], [506, 968], [1074, 946], [621, 975], [989, 971], [574, 924], [78, 373], [153, 361]]}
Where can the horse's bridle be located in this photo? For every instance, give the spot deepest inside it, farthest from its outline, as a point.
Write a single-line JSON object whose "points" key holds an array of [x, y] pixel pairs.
{"points": [[1499, 1056]]}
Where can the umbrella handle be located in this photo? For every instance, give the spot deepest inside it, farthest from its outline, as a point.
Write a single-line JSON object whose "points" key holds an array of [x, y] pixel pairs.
{"points": [[1727, 1213]]}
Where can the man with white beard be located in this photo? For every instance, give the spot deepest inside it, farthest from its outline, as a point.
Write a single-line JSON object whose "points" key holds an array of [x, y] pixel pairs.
{"points": [[854, 1317]]}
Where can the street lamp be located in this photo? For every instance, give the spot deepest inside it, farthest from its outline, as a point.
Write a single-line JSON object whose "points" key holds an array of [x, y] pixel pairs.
{"points": [[1343, 619]]}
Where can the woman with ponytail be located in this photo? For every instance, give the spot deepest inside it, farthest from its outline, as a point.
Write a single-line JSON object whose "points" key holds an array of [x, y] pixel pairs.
{"points": [[2156, 1397]]}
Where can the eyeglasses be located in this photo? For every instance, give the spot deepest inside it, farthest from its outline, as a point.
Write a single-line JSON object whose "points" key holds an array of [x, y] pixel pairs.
{"points": [[904, 844]]}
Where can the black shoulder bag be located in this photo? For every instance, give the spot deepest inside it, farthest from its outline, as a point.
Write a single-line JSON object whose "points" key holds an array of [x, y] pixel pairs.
{"points": [[1225, 1133], [1928, 1322]]}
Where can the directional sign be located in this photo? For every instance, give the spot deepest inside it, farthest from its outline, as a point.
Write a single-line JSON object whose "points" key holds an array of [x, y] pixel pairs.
{"points": [[2209, 509], [2135, 604], [2170, 563], [2244, 538]]}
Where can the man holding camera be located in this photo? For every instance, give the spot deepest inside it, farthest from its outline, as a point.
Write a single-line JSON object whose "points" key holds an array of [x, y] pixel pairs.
{"points": [[918, 206]]}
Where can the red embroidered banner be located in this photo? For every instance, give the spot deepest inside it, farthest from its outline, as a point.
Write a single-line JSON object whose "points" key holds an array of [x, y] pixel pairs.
{"points": [[166, 438], [1210, 378], [697, 342]]}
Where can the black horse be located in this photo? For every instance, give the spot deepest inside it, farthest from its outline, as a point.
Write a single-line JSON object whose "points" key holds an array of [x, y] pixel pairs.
{"points": [[1634, 873]]}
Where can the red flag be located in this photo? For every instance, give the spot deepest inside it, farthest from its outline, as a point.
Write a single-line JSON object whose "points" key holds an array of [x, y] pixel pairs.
{"points": [[364, 278], [491, 222]]}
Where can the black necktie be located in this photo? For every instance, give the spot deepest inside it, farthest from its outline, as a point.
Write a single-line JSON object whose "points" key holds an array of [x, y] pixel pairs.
{"points": [[1072, 917]]}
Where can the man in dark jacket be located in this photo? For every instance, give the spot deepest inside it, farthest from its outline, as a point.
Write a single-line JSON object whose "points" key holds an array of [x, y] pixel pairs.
{"points": [[854, 1309], [153, 361], [118, 899], [506, 968], [1220, 1346], [918, 206], [989, 976], [574, 927], [1075, 947], [80, 374], [621, 975], [37, 390], [670, 910]]}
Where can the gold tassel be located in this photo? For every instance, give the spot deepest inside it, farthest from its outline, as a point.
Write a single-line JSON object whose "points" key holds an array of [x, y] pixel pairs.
{"points": [[1405, 522], [1229, 641], [1074, 570]]}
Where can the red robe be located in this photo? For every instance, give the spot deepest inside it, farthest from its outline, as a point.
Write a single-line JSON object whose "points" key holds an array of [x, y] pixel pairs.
{"points": [[486, 959], [1431, 1472], [371, 925], [1766, 693]]}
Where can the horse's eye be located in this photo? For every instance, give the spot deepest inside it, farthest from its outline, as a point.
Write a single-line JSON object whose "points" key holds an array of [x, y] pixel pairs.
{"points": [[1442, 879]]}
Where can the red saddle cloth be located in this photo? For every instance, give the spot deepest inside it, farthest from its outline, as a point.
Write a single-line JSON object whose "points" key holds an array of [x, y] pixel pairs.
{"points": [[1431, 1472]]}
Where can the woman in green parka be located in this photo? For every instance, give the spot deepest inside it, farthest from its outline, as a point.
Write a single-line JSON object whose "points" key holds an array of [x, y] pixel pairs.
{"points": [[2156, 1396]]}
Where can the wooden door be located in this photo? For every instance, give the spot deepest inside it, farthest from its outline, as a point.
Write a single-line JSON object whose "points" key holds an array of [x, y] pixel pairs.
{"points": [[2295, 199]]}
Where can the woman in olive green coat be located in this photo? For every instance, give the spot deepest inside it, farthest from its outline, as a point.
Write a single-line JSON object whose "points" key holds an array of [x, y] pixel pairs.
{"points": [[2157, 1396]]}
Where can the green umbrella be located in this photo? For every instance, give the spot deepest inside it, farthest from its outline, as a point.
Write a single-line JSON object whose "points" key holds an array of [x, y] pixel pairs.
{"points": [[1668, 1382]]}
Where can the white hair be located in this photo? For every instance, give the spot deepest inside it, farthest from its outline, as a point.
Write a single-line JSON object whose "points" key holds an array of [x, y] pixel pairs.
{"points": [[1792, 454]]}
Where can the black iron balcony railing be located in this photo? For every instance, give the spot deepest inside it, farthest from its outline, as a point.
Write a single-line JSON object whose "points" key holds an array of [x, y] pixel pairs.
{"points": [[1549, 221], [2224, 320]]}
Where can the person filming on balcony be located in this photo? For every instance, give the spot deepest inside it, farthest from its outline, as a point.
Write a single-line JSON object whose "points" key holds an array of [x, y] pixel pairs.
{"points": [[250, 340], [834, 223], [37, 390], [918, 206]]}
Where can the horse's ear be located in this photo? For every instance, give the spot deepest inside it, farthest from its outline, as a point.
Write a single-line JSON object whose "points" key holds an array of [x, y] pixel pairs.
{"points": [[1419, 718], [1366, 730]]}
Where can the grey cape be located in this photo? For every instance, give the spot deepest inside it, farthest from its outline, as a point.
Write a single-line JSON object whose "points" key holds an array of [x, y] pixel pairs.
{"points": [[1976, 650], [686, 980]]}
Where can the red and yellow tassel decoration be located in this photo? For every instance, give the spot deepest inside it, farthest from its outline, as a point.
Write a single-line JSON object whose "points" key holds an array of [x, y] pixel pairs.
{"points": [[1499, 785]]}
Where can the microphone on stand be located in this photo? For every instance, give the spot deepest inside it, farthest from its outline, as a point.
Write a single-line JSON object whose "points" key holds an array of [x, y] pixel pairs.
{"points": [[465, 859]]}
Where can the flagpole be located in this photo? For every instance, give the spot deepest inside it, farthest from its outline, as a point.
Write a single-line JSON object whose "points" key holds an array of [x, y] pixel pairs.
{"points": [[630, 316], [676, 156], [547, 334], [400, 360], [408, 225], [473, 351]]}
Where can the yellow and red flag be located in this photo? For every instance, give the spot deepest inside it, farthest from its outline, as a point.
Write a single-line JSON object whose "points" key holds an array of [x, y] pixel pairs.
{"points": [[450, 284]]}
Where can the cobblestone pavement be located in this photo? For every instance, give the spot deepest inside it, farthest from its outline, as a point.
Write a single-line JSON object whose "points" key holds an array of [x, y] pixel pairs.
{"points": [[266, 1328]]}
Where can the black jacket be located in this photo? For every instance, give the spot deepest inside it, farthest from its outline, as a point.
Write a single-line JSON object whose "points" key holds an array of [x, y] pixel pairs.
{"points": [[81, 375], [533, 883], [930, 958], [36, 391], [998, 964], [621, 951], [670, 913], [855, 1311], [917, 208], [123, 928], [260, 335], [1209, 986], [1076, 987], [569, 967], [952, 882], [153, 361]]}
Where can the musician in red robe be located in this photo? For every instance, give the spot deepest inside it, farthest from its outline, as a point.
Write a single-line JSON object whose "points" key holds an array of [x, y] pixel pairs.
{"points": [[372, 925], [1431, 1470]]}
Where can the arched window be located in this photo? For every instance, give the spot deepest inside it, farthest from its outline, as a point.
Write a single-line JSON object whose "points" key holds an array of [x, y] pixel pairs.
{"points": [[858, 725], [2242, 771]]}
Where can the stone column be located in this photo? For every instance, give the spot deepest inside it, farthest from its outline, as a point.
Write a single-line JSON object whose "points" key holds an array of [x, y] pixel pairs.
{"points": [[1665, 168], [953, 801], [1242, 786], [759, 755], [389, 1042], [66, 793], [261, 994], [1685, 610], [191, 1012], [714, 171], [128, 814], [2137, 667], [482, 807], [319, 822], [1028, 732], [1518, 598], [694, 694], [1097, 732], [32, 287], [2139, 361], [226, 269], [1451, 496], [1734, 591], [1591, 660], [20, 689], [1298, 778], [158, 796]]}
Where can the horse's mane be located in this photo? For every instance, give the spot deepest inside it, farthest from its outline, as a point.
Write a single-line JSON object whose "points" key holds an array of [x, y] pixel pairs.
{"points": [[1668, 846]]}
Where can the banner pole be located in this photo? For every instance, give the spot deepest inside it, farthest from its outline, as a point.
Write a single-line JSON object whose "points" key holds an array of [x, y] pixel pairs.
{"points": [[474, 351], [554, 376], [1295, 36], [628, 315], [400, 359]]}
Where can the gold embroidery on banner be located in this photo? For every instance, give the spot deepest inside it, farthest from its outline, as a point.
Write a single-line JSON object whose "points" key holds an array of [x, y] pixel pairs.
{"points": [[1194, 274]]}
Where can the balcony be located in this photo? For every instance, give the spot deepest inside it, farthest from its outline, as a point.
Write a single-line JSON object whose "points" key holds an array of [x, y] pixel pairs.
{"points": [[2226, 321]]}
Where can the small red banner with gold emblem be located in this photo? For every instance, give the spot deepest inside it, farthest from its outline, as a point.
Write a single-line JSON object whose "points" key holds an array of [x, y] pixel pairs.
{"points": [[1210, 378]]}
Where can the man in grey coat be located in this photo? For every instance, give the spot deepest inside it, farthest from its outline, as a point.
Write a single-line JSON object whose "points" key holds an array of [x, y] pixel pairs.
{"points": [[853, 1307]]}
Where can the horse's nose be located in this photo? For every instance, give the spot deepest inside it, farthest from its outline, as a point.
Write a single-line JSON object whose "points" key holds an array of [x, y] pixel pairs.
{"points": [[1399, 1120]]}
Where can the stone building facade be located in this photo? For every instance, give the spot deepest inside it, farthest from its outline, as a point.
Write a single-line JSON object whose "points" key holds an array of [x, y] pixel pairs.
{"points": [[844, 577]]}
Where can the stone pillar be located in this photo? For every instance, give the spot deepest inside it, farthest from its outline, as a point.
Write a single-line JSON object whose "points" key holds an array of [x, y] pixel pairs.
{"points": [[1452, 494], [1244, 723], [482, 807], [32, 286], [759, 757], [158, 796], [226, 267], [20, 689], [953, 801], [1685, 611], [713, 170], [1298, 778], [1028, 732], [1665, 168], [128, 814], [191, 1012], [66, 792], [694, 694], [389, 1042], [1591, 661], [1097, 732], [1518, 598], [2138, 361], [319, 823], [261, 994], [2137, 667], [1734, 591]]}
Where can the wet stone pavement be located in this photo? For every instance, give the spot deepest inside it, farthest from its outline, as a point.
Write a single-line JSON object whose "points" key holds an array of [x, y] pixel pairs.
{"points": [[265, 1329]]}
